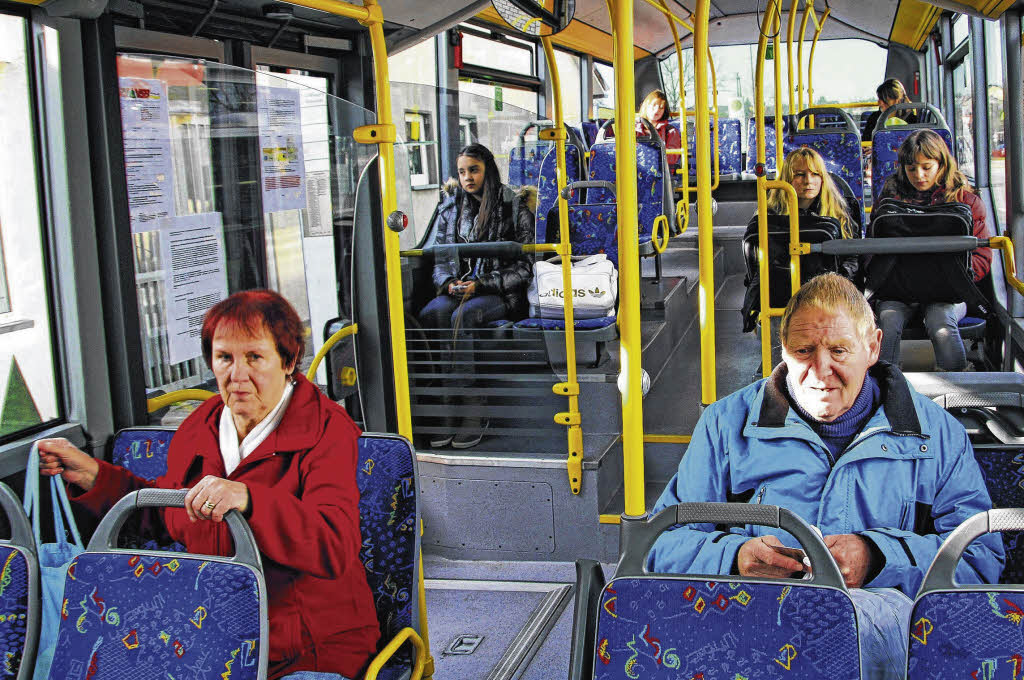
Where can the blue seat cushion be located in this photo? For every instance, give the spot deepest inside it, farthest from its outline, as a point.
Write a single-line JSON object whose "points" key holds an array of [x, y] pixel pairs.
{"points": [[142, 451], [145, 616], [559, 324], [667, 628], [965, 634]]}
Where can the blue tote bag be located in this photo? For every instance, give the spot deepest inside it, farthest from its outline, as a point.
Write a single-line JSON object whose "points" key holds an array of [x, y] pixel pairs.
{"points": [[53, 557]]}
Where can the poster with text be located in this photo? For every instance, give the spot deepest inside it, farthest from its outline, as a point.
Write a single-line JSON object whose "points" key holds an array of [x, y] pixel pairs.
{"points": [[195, 278], [282, 171], [149, 170]]}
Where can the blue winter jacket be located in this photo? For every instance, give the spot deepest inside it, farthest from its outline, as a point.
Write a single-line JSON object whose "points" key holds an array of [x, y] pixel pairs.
{"points": [[905, 481]]}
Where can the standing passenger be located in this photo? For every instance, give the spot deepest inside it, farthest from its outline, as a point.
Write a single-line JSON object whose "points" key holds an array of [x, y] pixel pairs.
{"points": [[474, 291], [928, 175], [273, 447]]}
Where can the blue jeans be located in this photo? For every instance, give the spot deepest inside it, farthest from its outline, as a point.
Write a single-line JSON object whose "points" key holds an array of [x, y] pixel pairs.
{"points": [[883, 621], [313, 675], [940, 320], [445, 312]]}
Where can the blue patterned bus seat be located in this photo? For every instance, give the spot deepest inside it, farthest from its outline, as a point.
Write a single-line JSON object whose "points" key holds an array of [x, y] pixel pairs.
{"points": [[559, 324], [593, 229], [729, 151], [590, 129], [966, 634], [143, 452], [650, 184], [389, 524], [769, 141], [524, 162], [885, 151], [1003, 471], [158, 616], [841, 152], [547, 189], [671, 627]]}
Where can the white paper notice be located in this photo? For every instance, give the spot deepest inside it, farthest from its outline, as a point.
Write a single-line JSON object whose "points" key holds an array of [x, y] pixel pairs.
{"points": [[282, 171], [194, 278], [146, 128]]}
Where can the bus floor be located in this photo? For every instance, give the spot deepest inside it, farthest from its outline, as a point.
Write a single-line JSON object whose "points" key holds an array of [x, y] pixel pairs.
{"points": [[500, 619]]}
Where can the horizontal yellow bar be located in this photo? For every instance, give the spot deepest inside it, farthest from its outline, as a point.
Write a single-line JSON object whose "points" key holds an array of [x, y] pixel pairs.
{"points": [[411, 253], [609, 519], [157, 403], [364, 15], [540, 248], [666, 439], [670, 15]]}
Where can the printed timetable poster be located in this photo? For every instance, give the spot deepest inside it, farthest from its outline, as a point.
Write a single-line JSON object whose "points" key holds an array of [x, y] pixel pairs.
{"points": [[195, 278], [282, 170], [146, 127]]}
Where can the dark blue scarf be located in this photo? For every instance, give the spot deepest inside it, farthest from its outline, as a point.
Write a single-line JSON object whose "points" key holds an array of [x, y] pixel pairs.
{"points": [[838, 434]]}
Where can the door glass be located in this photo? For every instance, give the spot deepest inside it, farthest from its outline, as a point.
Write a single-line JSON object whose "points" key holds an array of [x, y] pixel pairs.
{"points": [[236, 180]]}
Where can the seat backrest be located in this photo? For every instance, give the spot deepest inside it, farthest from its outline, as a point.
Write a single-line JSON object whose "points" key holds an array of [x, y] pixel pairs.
{"points": [[157, 614], [651, 188], [730, 159], [547, 189], [652, 625], [524, 161], [589, 129], [886, 141], [593, 229], [839, 146], [769, 141], [863, 122], [142, 450], [966, 631], [19, 591], [389, 521], [1003, 470]]}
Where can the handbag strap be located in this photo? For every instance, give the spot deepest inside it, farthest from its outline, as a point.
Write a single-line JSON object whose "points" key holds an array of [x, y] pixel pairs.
{"points": [[63, 519]]}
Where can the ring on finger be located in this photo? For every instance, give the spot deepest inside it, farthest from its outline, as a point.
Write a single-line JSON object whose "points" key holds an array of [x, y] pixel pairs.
{"points": [[209, 506]]}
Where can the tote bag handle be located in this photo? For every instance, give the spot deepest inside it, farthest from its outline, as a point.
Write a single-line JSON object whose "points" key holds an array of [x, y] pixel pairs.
{"points": [[63, 520]]}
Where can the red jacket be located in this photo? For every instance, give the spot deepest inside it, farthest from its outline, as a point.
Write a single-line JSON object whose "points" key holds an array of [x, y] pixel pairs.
{"points": [[981, 258], [669, 135], [305, 517]]}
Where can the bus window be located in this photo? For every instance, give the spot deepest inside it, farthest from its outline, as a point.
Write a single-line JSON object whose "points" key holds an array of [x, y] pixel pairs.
{"points": [[963, 115], [996, 129], [28, 381], [569, 77], [604, 90]]}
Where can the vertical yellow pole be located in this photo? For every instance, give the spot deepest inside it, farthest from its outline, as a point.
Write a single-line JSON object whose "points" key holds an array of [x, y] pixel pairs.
{"points": [[808, 8], [767, 23], [810, 64], [621, 14], [714, 120], [705, 244], [393, 264], [793, 8], [570, 387], [778, 99], [685, 165]]}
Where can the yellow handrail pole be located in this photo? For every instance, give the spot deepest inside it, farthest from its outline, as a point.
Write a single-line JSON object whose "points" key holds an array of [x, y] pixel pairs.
{"points": [[683, 223], [1004, 244], [819, 25], [157, 403], [351, 329], [570, 387], [705, 245], [794, 230], [669, 14], [789, 51], [778, 100], [762, 199], [714, 112], [808, 9], [621, 14], [343, 9]]}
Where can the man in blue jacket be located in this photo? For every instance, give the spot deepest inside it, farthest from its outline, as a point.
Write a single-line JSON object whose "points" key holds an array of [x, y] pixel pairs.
{"points": [[846, 443]]}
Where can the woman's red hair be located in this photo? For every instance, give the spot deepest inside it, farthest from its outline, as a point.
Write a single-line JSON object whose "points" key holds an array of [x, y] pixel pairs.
{"points": [[254, 310]]}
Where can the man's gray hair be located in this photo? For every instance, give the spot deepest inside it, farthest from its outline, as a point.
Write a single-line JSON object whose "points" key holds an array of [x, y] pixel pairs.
{"points": [[834, 294]]}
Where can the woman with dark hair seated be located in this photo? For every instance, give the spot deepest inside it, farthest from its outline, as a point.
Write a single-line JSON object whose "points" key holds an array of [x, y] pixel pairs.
{"points": [[474, 291], [890, 93], [273, 447], [928, 175]]}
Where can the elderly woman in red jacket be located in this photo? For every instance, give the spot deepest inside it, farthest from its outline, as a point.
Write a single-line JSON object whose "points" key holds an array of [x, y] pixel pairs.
{"points": [[928, 175], [273, 447]]}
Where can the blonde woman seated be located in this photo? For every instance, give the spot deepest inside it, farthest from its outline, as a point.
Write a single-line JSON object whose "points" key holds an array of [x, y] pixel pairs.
{"points": [[817, 195]]}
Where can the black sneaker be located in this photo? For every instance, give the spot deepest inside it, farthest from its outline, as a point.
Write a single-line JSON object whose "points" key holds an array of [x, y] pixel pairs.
{"points": [[439, 441], [474, 432]]}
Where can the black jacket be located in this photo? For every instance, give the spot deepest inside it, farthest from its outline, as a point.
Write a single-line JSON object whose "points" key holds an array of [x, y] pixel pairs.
{"points": [[507, 278]]}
